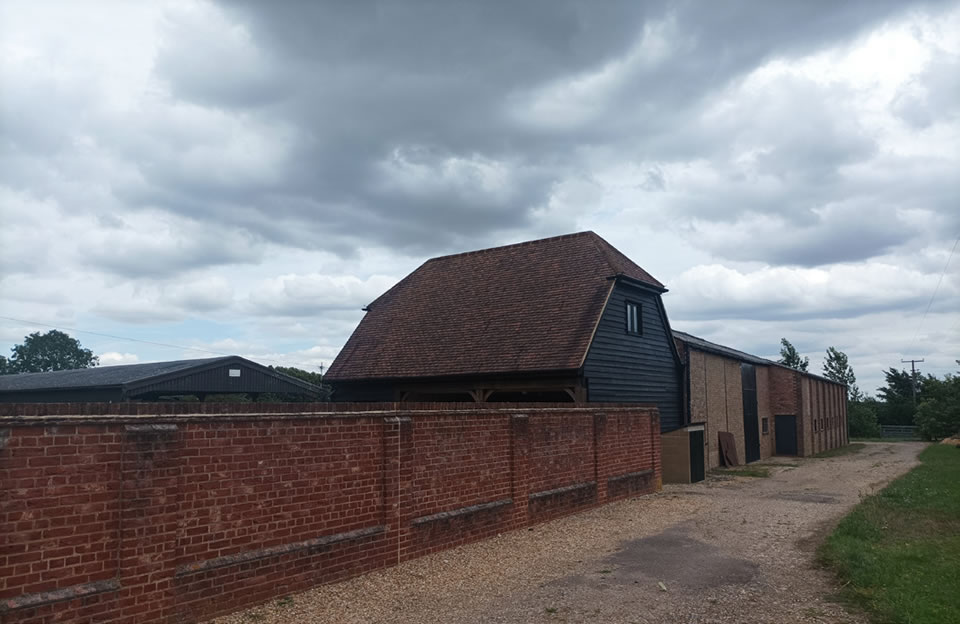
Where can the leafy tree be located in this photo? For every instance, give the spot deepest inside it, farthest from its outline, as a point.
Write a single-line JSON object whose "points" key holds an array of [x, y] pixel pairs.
{"points": [[897, 406], [938, 416], [837, 367], [790, 357], [862, 419], [899, 386], [51, 351], [4, 365], [308, 376]]}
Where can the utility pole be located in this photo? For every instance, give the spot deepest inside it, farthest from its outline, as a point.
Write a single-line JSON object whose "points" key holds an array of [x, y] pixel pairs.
{"points": [[913, 377]]}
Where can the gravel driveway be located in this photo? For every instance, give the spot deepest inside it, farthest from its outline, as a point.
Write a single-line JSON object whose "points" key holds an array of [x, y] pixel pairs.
{"points": [[725, 550]]}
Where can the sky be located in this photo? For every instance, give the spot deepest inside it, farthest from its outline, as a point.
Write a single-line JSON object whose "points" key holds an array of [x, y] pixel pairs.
{"points": [[183, 178]]}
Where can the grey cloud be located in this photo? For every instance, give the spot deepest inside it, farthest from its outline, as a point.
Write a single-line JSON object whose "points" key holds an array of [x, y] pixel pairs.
{"points": [[933, 96], [158, 254], [360, 81]]}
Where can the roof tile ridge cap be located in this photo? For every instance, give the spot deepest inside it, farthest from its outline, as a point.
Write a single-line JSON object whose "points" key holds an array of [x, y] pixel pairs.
{"points": [[528, 243]]}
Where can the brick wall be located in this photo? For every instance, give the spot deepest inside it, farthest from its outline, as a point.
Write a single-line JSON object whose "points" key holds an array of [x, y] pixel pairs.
{"points": [[177, 513]]}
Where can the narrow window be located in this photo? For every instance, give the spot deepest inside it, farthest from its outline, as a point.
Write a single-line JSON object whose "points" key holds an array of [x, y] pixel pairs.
{"points": [[633, 318], [765, 424]]}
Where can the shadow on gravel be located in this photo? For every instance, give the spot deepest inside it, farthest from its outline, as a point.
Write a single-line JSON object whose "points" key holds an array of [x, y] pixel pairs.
{"points": [[672, 557]]}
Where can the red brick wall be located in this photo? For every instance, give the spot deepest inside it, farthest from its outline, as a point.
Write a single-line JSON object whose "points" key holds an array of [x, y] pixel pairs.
{"points": [[784, 391], [176, 513]]}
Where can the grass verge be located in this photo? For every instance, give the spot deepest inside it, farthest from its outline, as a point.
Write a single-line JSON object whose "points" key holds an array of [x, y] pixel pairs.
{"points": [[747, 471], [840, 451], [897, 554]]}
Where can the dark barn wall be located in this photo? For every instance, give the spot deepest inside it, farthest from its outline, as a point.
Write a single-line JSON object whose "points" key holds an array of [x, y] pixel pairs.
{"points": [[627, 368], [362, 391], [63, 396], [217, 380]]}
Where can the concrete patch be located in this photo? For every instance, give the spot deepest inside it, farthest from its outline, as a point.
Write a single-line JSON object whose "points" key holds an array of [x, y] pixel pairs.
{"points": [[673, 557]]}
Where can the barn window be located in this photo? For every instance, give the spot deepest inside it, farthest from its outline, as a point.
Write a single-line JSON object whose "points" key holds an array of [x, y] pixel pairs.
{"points": [[634, 326], [765, 424], [234, 372]]}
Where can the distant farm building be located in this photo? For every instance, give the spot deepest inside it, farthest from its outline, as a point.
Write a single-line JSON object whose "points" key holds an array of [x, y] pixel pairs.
{"points": [[768, 408], [152, 382]]}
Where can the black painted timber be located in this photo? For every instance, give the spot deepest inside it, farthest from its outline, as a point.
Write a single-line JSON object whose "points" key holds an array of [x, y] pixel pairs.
{"points": [[629, 368], [751, 427]]}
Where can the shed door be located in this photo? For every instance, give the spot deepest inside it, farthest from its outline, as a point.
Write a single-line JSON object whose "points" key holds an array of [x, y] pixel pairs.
{"points": [[696, 456], [786, 434], [751, 426]]}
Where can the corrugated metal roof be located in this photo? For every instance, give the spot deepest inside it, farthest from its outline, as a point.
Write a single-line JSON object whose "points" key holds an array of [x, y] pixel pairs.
{"points": [[129, 376], [712, 347], [97, 376]]}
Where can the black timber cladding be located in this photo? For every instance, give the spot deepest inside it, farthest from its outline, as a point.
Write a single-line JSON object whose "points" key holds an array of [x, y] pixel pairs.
{"points": [[629, 368], [230, 374]]}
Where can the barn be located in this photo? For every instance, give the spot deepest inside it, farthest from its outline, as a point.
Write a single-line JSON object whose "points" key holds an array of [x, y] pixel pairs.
{"points": [[571, 319], [562, 319], [769, 409], [152, 382]]}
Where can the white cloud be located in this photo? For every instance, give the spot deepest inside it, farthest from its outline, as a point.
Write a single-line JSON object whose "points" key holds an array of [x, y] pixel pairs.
{"points": [[313, 293], [113, 358]]}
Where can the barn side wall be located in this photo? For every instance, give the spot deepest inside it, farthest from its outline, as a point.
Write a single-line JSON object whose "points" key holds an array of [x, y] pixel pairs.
{"points": [[629, 368], [716, 399], [142, 512], [825, 415]]}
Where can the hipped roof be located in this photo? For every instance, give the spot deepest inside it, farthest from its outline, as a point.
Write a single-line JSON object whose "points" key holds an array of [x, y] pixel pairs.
{"points": [[527, 307]]}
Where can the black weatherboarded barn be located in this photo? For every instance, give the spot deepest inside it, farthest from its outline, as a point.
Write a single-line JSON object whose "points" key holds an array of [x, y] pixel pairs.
{"points": [[146, 382], [567, 318]]}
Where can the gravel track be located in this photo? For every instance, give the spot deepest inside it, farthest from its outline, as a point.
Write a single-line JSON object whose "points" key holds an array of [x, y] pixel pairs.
{"points": [[730, 549]]}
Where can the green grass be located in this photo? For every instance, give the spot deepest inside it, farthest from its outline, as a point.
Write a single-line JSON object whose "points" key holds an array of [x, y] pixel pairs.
{"points": [[897, 554], [747, 471], [840, 451]]}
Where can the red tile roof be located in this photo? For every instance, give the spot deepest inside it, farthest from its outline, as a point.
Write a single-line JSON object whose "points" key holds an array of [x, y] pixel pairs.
{"points": [[527, 307]]}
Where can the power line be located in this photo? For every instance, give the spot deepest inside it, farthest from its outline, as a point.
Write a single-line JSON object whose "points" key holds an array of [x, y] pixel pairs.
{"points": [[149, 342], [934, 295]]}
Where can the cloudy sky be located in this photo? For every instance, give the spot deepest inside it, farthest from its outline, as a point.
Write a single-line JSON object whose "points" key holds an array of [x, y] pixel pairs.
{"points": [[242, 177]]}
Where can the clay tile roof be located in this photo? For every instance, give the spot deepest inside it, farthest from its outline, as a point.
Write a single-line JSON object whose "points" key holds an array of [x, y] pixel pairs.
{"points": [[527, 307]]}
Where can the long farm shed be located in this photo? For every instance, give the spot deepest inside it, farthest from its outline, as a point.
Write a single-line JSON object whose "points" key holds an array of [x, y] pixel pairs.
{"points": [[768, 409]]}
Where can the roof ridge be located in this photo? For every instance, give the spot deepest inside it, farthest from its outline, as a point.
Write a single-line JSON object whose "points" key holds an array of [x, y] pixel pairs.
{"points": [[520, 244], [126, 366]]}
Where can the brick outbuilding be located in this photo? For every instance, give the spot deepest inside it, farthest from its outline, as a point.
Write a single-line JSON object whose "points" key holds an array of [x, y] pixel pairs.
{"points": [[768, 408]]}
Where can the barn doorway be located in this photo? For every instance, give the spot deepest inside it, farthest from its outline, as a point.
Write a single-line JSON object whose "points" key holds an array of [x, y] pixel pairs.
{"points": [[751, 425], [697, 468], [785, 432]]}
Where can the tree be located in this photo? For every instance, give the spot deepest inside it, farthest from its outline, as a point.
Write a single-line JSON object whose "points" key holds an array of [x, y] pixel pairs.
{"points": [[938, 416], [790, 357], [304, 375], [837, 367], [863, 420], [899, 386], [52, 351], [897, 406]]}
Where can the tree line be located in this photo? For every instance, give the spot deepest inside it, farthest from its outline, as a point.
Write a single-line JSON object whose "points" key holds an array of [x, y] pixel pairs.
{"points": [[925, 401]]}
